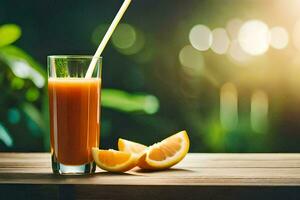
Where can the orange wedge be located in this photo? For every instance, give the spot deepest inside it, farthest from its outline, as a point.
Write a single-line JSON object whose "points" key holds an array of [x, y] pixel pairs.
{"points": [[114, 161], [166, 153], [131, 147]]}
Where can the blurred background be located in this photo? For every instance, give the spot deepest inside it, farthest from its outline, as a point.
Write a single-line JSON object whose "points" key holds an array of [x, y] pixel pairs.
{"points": [[226, 71]]}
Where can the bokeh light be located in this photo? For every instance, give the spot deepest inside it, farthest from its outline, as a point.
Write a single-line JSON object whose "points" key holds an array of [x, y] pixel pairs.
{"points": [[32, 94], [137, 46], [259, 111], [201, 37], [221, 41], [254, 37], [296, 35], [17, 83], [124, 36], [13, 115], [237, 53], [151, 104], [99, 33], [279, 37], [233, 27], [229, 106], [191, 59], [127, 39]]}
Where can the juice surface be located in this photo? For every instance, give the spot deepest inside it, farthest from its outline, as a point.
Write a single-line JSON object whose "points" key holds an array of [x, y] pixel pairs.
{"points": [[74, 118]]}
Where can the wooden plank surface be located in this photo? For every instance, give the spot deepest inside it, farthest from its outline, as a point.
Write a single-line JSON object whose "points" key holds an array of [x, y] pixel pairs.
{"points": [[194, 170], [198, 176]]}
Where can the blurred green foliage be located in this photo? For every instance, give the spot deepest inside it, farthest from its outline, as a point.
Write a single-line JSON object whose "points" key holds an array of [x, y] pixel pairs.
{"points": [[21, 84], [24, 101], [9, 33], [125, 102]]}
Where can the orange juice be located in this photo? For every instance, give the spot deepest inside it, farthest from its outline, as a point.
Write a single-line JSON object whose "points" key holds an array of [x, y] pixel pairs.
{"points": [[74, 118]]}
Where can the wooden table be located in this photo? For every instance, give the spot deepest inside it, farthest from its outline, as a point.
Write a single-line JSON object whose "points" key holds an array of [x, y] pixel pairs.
{"points": [[198, 176]]}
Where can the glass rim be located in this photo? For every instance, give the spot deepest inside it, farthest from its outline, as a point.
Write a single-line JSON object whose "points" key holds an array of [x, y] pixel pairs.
{"points": [[74, 56]]}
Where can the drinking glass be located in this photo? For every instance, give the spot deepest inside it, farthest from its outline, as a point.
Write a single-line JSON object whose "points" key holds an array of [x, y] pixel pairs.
{"points": [[74, 106]]}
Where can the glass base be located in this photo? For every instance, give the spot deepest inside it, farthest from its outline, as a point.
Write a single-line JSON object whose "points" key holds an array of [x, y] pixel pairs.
{"points": [[62, 169]]}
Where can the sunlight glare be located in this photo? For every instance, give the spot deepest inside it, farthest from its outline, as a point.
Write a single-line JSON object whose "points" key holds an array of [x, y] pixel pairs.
{"points": [[254, 37]]}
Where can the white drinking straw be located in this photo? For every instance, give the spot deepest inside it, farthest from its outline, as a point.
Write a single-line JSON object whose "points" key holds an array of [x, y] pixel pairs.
{"points": [[106, 38]]}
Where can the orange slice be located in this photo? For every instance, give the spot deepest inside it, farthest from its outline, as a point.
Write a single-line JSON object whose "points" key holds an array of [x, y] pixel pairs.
{"points": [[131, 147], [166, 153], [114, 161]]}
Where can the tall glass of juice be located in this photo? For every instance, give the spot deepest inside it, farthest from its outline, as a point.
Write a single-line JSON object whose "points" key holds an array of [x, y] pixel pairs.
{"points": [[74, 105]]}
